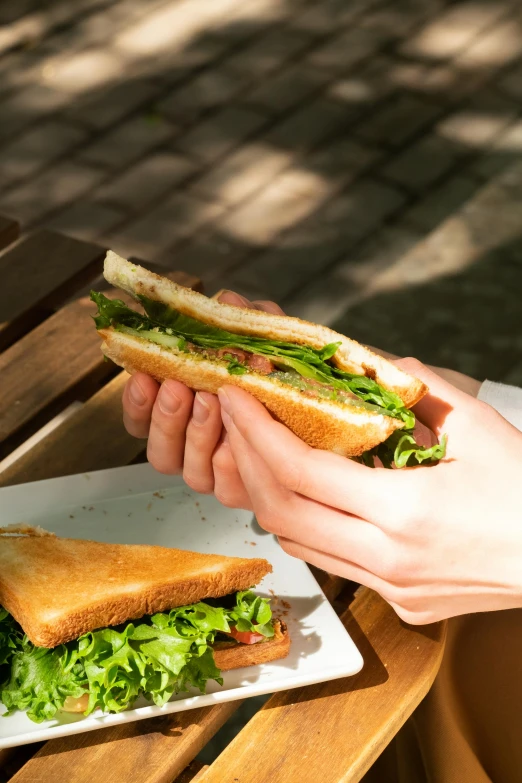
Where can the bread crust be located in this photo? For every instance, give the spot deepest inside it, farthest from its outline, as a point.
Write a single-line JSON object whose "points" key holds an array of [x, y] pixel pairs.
{"points": [[348, 429], [59, 588], [350, 356], [230, 655]]}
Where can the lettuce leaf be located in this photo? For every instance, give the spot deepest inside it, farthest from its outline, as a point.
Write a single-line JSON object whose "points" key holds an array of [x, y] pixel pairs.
{"points": [[39, 682], [159, 656]]}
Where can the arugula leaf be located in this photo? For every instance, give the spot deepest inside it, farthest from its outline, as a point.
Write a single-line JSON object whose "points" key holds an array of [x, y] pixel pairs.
{"points": [[159, 656], [402, 449]]}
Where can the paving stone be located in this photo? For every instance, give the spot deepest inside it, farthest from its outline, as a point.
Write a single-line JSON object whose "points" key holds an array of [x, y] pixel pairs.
{"points": [[506, 150], [511, 82], [311, 124], [87, 220], [439, 203], [176, 218], [209, 254], [242, 173], [399, 120], [494, 48], [145, 181], [422, 163], [270, 52], [477, 123], [332, 15], [349, 49], [215, 137], [50, 190], [366, 87], [28, 106], [451, 32], [471, 265], [326, 297], [311, 246], [36, 148], [113, 103], [290, 197], [210, 89], [285, 90], [129, 141]]}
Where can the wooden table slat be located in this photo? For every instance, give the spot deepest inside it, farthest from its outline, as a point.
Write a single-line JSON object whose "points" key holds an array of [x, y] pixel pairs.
{"points": [[334, 731], [155, 750], [50, 363], [9, 231], [91, 439], [39, 273], [192, 773]]}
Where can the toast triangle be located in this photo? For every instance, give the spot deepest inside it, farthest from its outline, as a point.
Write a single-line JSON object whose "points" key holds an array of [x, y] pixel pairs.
{"points": [[61, 588]]}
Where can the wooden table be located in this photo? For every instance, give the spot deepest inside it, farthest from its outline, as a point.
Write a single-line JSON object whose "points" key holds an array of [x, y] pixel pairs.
{"points": [[50, 359]]}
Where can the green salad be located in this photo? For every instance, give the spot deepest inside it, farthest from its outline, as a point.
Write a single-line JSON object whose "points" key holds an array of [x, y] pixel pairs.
{"points": [[297, 365], [156, 657]]}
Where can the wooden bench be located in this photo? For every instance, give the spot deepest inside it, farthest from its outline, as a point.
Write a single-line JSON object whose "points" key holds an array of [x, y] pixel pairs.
{"points": [[50, 359]]}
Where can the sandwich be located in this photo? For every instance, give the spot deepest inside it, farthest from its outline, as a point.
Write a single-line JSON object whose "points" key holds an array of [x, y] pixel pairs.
{"points": [[332, 392], [87, 625]]}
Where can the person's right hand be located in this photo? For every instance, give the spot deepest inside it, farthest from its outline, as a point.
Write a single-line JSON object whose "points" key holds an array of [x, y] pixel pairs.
{"points": [[185, 431]]}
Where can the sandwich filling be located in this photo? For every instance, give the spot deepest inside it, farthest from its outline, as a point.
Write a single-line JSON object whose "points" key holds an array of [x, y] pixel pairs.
{"points": [[158, 656], [309, 370]]}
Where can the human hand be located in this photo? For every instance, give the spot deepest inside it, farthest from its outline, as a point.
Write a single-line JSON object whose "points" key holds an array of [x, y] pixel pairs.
{"points": [[433, 541], [184, 430]]}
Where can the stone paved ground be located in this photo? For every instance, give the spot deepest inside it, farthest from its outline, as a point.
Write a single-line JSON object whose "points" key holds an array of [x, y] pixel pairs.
{"points": [[291, 149], [354, 159]]}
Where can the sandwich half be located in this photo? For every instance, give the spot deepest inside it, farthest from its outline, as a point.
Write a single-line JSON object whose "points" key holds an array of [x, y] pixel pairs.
{"points": [[331, 391], [87, 625]]}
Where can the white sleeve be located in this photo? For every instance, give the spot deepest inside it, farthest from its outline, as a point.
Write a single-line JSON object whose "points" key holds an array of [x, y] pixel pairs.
{"points": [[507, 400]]}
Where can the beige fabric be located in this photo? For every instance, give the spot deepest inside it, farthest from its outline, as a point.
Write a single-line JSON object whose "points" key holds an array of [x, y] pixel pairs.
{"points": [[468, 729]]}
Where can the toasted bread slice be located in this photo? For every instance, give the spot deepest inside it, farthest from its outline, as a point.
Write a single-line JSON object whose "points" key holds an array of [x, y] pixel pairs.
{"points": [[350, 356], [348, 429], [231, 655], [60, 588]]}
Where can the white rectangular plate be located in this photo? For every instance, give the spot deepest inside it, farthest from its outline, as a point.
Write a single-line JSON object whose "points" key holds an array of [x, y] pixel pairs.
{"points": [[136, 505]]}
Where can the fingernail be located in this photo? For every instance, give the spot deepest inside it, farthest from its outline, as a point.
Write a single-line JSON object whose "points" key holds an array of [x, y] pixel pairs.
{"points": [[201, 410], [226, 419], [136, 393], [169, 402], [224, 400]]}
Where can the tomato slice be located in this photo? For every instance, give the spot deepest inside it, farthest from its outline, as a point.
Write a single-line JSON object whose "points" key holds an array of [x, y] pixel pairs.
{"points": [[245, 637]]}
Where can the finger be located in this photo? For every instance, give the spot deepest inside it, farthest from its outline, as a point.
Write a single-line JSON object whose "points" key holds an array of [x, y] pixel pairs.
{"points": [[230, 297], [310, 523], [229, 488], [203, 434], [321, 475], [139, 395], [336, 565], [267, 306], [170, 416]]}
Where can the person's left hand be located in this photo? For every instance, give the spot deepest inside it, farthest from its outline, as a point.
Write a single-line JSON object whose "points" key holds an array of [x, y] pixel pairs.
{"points": [[433, 541]]}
